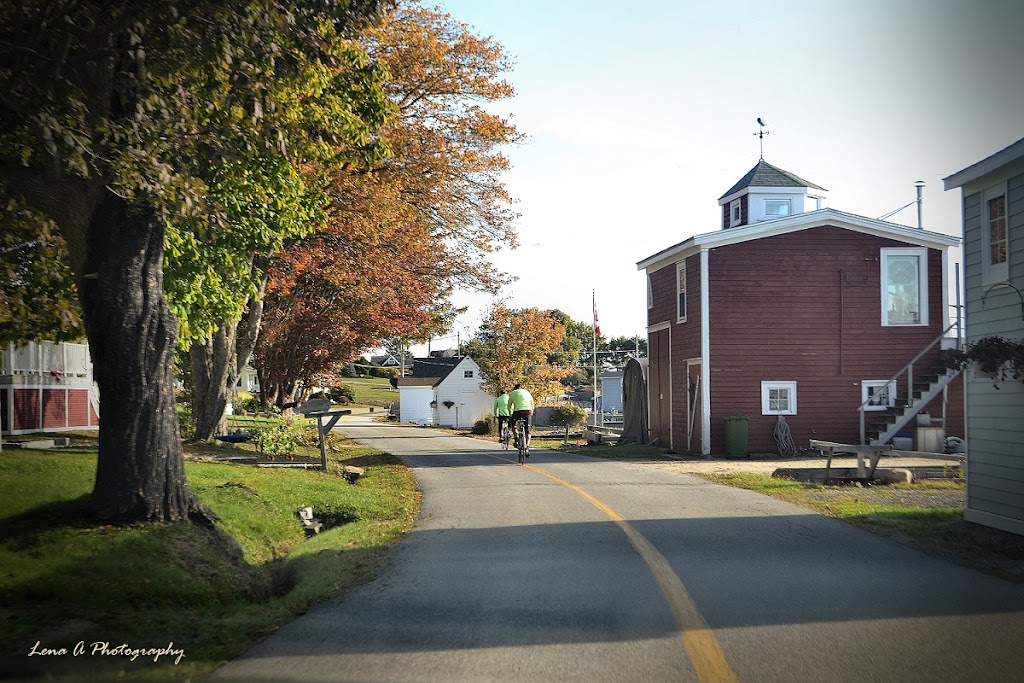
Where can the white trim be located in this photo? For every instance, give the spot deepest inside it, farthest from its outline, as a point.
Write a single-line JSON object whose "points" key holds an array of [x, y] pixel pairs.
{"points": [[922, 284], [735, 212], [991, 164], [650, 293], [681, 266], [658, 327], [769, 189], [767, 386], [1015, 526], [1000, 272], [866, 384], [705, 350], [795, 223]]}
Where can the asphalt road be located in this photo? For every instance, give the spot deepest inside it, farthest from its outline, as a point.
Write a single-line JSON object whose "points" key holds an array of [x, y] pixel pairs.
{"points": [[573, 568]]}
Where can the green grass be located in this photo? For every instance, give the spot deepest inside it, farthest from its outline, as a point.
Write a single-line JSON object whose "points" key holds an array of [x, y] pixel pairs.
{"points": [[920, 514], [65, 579], [372, 391]]}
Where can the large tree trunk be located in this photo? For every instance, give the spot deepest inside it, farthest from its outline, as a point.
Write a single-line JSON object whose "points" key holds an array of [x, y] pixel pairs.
{"points": [[140, 474]]}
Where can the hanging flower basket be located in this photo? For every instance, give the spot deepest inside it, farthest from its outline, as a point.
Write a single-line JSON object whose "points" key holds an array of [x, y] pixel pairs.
{"points": [[449, 404], [1002, 359]]}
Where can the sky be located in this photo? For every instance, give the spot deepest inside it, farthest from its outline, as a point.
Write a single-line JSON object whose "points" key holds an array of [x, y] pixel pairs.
{"points": [[639, 117]]}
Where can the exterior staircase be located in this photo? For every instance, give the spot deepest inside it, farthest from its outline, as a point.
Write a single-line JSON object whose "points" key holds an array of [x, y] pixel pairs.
{"points": [[895, 418], [877, 427]]}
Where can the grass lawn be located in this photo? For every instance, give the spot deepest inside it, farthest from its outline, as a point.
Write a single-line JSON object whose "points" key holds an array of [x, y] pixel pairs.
{"points": [[213, 593], [372, 391], [927, 514]]}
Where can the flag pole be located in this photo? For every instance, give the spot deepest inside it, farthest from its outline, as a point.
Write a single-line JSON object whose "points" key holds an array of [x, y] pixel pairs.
{"points": [[593, 309]]}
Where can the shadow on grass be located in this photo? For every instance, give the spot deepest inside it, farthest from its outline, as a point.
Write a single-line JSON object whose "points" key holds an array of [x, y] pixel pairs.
{"points": [[71, 581]]}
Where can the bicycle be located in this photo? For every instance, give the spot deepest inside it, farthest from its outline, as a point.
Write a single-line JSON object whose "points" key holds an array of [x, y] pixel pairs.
{"points": [[524, 450], [504, 435]]}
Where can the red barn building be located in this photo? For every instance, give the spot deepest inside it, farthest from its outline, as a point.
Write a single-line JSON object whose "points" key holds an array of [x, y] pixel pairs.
{"points": [[808, 313], [46, 386]]}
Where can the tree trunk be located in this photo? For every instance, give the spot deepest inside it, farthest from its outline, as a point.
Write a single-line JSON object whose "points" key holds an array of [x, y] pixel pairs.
{"points": [[212, 364], [140, 474]]}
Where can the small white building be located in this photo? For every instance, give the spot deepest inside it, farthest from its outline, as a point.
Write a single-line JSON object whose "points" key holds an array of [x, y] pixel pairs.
{"points": [[445, 392]]}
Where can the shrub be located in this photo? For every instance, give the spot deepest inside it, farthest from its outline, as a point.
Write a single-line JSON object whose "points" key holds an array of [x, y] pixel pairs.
{"points": [[349, 371], [342, 394], [278, 438], [568, 415], [486, 426], [245, 402]]}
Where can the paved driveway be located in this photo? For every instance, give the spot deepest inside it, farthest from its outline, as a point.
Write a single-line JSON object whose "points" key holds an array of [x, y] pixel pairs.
{"points": [[573, 568]]}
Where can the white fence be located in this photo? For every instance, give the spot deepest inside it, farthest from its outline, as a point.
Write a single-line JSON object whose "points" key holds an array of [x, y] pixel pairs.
{"points": [[59, 360]]}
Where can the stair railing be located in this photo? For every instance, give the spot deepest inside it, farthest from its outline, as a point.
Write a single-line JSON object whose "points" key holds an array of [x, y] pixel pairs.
{"points": [[909, 370]]}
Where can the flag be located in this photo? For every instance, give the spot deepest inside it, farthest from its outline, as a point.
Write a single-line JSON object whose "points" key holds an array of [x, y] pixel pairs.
{"points": [[597, 326]]}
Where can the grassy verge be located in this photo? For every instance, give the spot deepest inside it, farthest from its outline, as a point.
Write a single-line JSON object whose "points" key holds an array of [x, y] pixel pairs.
{"points": [[213, 593], [927, 514]]}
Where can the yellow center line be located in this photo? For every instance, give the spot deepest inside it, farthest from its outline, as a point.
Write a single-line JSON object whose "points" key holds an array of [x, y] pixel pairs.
{"points": [[705, 653]]}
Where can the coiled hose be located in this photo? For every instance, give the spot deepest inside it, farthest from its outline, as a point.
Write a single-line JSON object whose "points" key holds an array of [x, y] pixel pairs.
{"points": [[783, 438]]}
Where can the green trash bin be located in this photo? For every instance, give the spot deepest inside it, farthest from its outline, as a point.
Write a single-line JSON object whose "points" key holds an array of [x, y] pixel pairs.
{"points": [[736, 436]]}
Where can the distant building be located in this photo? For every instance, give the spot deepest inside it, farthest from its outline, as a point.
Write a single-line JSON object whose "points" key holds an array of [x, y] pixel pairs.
{"points": [[445, 392]]}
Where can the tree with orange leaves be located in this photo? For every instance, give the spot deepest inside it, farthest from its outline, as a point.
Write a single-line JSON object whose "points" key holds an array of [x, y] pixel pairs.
{"points": [[403, 232]]}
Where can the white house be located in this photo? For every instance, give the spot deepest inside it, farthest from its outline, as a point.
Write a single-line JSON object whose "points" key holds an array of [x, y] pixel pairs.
{"points": [[445, 392], [993, 226]]}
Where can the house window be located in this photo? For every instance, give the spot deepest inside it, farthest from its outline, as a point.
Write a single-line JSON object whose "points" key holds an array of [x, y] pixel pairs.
{"points": [[994, 235], [778, 398], [877, 394], [776, 208], [650, 293], [904, 287], [735, 213], [468, 374], [681, 292]]}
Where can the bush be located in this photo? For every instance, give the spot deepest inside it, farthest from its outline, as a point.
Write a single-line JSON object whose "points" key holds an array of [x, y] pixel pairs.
{"points": [[245, 402], [568, 415], [349, 371], [486, 426], [342, 394], [386, 373], [278, 438]]}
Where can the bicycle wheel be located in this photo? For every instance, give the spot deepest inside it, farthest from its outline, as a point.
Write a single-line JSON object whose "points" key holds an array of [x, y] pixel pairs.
{"points": [[505, 437], [521, 441]]}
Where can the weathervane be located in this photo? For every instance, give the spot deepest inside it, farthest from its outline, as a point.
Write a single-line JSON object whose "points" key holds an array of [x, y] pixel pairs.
{"points": [[760, 135]]}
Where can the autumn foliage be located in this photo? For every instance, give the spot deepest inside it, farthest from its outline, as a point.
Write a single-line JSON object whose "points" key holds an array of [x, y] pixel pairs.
{"points": [[401, 233]]}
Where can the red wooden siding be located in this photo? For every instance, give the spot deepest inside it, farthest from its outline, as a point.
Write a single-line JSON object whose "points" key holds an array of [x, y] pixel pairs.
{"points": [[744, 213], [54, 408], [779, 311], [78, 408], [26, 409], [3, 410]]}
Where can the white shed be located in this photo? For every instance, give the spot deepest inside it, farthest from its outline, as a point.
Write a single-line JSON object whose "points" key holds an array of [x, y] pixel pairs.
{"points": [[444, 392]]}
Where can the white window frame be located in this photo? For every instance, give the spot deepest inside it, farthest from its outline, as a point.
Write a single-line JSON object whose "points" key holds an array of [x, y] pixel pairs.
{"points": [[781, 201], [767, 387], [467, 374], [650, 293], [992, 273], [735, 213], [681, 292], [865, 390], [922, 284]]}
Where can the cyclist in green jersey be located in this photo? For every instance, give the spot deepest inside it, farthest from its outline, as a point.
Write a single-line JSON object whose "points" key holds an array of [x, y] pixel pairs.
{"points": [[520, 404], [501, 411]]}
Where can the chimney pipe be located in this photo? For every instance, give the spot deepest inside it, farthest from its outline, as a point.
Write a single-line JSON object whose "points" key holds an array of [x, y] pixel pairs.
{"points": [[920, 204]]}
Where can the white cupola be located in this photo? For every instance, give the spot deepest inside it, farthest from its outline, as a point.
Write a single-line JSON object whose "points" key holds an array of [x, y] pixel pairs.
{"points": [[766, 193]]}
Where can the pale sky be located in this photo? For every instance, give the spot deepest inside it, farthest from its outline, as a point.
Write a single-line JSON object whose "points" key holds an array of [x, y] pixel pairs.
{"points": [[639, 117]]}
